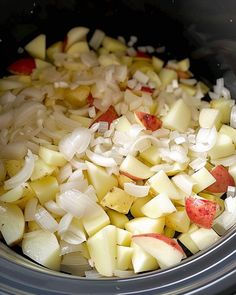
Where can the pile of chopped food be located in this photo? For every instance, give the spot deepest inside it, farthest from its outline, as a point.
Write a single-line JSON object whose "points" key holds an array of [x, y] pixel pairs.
{"points": [[112, 162]]}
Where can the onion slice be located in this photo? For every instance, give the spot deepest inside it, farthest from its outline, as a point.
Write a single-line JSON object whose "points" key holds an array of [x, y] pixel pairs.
{"points": [[138, 191], [45, 219], [23, 175], [100, 160], [30, 209]]}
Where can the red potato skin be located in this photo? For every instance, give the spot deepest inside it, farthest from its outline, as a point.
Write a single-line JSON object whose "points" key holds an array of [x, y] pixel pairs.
{"points": [[201, 212], [150, 122], [142, 54], [130, 176], [223, 180], [64, 44], [163, 238], [90, 100], [147, 89], [183, 75], [109, 116], [23, 66]]}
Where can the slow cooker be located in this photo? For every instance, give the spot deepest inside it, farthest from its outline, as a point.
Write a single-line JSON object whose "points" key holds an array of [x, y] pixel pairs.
{"points": [[205, 31]]}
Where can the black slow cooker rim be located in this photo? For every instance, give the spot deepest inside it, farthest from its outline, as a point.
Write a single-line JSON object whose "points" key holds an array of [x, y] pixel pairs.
{"points": [[211, 271]]}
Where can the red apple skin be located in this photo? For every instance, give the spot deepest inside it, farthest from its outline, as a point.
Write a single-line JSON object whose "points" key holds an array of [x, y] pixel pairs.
{"points": [[147, 89], [201, 212], [163, 238], [23, 66], [150, 122], [109, 116], [223, 180], [130, 176]]}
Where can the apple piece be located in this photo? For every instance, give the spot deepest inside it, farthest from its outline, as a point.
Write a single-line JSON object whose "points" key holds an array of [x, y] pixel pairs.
{"points": [[159, 206], [78, 48], [203, 179], [74, 35], [113, 45], [45, 188], [178, 221], [141, 260], [208, 118], [124, 256], [103, 250], [37, 47], [52, 157], [100, 179], [12, 223], [167, 76], [167, 251], [157, 64], [94, 223], [142, 225], [203, 238], [135, 169], [160, 183], [118, 200], [23, 66], [150, 122], [186, 240], [223, 180], [123, 237], [224, 106], [77, 97], [223, 147], [201, 212], [151, 155], [53, 49], [178, 118], [122, 124], [136, 208], [118, 219], [42, 247], [108, 116], [227, 130], [41, 169]]}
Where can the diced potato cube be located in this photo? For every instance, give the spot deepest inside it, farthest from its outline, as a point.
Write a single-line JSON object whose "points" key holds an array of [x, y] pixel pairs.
{"points": [[78, 48], [41, 169], [160, 183], [191, 90], [169, 232], [224, 106], [224, 147], [78, 96], [113, 45], [13, 166], [122, 179], [151, 155], [203, 179], [178, 221], [157, 64], [227, 130], [118, 200], [187, 241], [52, 157], [142, 225], [209, 117], [167, 76], [136, 208], [123, 237], [178, 117], [45, 188], [118, 219], [183, 65], [203, 238]]}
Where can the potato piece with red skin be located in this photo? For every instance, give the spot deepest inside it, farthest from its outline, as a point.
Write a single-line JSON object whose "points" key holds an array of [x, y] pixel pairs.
{"points": [[223, 180], [150, 122], [147, 89], [90, 100], [109, 116], [23, 66], [201, 212]]}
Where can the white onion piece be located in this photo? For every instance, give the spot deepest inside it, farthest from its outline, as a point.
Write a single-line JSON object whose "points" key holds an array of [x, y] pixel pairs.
{"points": [[67, 248], [16, 150], [64, 223], [3, 171], [164, 167], [76, 142], [77, 203], [135, 130], [233, 117], [100, 160], [198, 163], [32, 234], [7, 98], [138, 191], [23, 175], [91, 193], [93, 274], [205, 140], [65, 123], [231, 191], [30, 209], [139, 140], [97, 39], [230, 204], [78, 164], [184, 182], [123, 273], [45, 219], [6, 119], [64, 173], [12, 195], [53, 207], [78, 185], [227, 161], [75, 233]]}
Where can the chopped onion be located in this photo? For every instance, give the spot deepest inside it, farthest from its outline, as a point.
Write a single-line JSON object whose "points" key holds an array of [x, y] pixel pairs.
{"points": [[75, 233], [81, 185], [198, 163], [205, 140], [3, 171], [30, 209], [77, 203], [64, 173], [6, 119], [78, 165], [92, 274], [231, 191], [138, 191], [77, 175], [16, 150], [65, 123], [227, 161], [97, 39], [23, 175], [123, 273], [184, 182], [67, 248], [164, 167], [100, 160], [91, 193], [76, 142], [12, 195], [53, 207], [64, 223], [45, 219], [230, 204], [141, 77]]}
